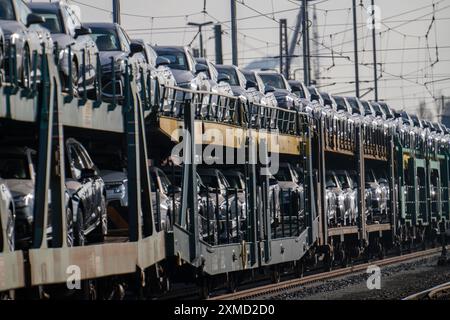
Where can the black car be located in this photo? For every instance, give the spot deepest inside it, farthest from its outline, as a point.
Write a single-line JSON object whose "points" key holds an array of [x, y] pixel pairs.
{"points": [[207, 207], [115, 49], [315, 95], [246, 90], [67, 31], [87, 190], [276, 83], [187, 72], [17, 19]]}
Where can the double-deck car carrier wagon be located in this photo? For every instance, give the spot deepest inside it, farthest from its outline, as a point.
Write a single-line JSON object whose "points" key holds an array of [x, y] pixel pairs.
{"points": [[391, 191]]}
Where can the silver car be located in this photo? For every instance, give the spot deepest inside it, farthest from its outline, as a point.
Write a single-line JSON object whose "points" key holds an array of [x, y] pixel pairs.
{"points": [[7, 217]]}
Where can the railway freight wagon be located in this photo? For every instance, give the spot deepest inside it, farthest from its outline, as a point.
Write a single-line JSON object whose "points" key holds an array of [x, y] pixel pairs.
{"points": [[181, 185]]}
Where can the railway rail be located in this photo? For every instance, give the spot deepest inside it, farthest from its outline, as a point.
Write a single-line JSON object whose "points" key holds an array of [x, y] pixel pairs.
{"points": [[436, 292], [276, 288]]}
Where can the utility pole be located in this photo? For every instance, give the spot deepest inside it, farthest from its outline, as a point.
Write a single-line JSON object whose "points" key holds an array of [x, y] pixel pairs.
{"points": [[218, 43], [200, 26], [305, 42], [295, 37], [308, 44], [355, 41], [284, 63], [234, 33], [374, 49], [116, 11], [316, 48]]}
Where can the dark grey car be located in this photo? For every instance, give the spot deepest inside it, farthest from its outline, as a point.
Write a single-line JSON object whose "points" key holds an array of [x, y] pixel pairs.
{"points": [[87, 190], [115, 50], [67, 31]]}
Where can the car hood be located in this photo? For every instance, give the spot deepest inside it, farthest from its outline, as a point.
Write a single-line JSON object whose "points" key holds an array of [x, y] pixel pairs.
{"points": [[288, 185], [373, 185], [281, 93], [112, 176], [62, 39], [105, 56], [238, 90], [182, 76], [20, 187], [10, 27]]}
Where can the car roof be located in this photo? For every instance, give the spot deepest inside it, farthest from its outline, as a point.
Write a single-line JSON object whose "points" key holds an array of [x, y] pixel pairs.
{"points": [[169, 48], [45, 6], [101, 25], [201, 60], [225, 66]]}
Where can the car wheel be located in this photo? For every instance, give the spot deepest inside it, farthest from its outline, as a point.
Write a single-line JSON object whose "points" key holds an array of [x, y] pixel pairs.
{"points": [[26, 67], [75, 78], [98, 234], [10, 230], [70, 228], [78, 229]]}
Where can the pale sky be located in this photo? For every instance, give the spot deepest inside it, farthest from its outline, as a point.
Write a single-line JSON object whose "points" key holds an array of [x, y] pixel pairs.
{"points": [[411, 73]]}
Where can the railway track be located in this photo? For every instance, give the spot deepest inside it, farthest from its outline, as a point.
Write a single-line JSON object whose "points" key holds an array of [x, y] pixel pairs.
{"points": [[276, 288], [434, 293]]}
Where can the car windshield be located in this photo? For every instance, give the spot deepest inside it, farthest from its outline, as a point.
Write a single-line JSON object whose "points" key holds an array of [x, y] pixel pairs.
{"points": [[234, 79], [367, 110], [341, 105], [165, 182], [370, 177], [14, 167], [52, 22], [331, 183], [177, 58], [234, 181], [274, 80], [7, 10], [210, 181], [299, 91], [386, 110], [283, 174], [354, 104], [106, 39]]}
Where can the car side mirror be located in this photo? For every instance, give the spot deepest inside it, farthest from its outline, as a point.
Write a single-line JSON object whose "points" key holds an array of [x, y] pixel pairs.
{"points": [[34, 19], [200, 67], [82, 31], [251, 84], [269, 89], [161, 61], [136, 48], [88, 173], [222, 77]]}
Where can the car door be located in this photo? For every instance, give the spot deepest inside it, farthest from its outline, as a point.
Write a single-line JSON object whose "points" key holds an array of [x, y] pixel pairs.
{"points": [[96, 182], [32, 34]]}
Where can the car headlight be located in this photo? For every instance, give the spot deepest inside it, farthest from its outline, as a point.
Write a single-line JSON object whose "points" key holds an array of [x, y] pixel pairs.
{"points": [[63, 53], [23, 201], [120, 189]]}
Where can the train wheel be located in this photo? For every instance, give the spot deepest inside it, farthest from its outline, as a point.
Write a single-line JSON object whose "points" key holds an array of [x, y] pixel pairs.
{"points": [[381, 251], [232, 282], [275, 275], [300, 268], [204, 291], [8, 295]]}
